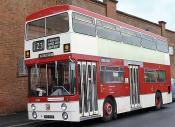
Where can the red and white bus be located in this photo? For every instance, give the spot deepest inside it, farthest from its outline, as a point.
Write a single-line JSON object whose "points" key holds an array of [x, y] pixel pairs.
{"points": [[83, 65]]}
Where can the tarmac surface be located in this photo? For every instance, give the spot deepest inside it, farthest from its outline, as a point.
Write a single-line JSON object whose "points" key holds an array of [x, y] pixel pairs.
{"points": [[141, 118]]}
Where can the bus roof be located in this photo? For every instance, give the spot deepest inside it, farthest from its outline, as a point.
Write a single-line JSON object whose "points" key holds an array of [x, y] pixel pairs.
{"points": [[64, 7]]}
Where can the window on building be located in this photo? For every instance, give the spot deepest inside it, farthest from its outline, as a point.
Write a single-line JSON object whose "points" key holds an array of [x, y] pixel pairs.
{"points": [[21, 68], [112, 74], [83, 24], [171, 50]]}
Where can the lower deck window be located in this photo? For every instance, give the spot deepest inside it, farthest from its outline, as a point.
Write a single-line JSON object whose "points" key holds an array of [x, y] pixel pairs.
{"points": [[151, 76], [111, 74], [52, 79], [161, 77]]}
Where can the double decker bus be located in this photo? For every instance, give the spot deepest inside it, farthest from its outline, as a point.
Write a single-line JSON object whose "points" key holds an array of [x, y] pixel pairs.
{"points": [[82, 65]]}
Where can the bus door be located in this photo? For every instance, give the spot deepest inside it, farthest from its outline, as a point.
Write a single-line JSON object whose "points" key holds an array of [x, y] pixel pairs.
{"points": [[134, 86], [87, 88]]}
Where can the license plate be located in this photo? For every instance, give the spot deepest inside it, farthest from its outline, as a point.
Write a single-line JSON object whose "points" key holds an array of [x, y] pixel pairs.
{"points": [[49, 116]]}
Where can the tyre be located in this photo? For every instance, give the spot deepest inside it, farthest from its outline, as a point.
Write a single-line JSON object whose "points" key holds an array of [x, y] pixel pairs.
{"points": [[158, 101], [108, 110]]}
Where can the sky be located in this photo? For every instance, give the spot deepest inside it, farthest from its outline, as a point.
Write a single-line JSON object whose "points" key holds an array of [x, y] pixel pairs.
{"points": [[152, 10]]}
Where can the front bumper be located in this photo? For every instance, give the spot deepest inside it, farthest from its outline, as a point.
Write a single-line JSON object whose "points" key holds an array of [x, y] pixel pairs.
{"points": [[54, 112]]}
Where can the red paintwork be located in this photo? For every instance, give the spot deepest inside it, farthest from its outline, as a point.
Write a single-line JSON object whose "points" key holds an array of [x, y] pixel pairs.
{"points": [[61, 8], [61, 58], [64, 57], [117, 89], [147, 88], [46, 60], [48, 11]]}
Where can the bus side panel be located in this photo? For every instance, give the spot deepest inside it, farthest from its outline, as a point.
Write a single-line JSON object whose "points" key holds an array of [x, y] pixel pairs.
{"points": [[167, 97]]}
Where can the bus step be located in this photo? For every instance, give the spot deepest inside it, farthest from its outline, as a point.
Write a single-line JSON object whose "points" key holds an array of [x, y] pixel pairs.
{"points": [[89, 117]]}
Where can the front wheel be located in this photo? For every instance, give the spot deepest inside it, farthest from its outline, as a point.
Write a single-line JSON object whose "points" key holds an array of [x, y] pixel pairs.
{"points": [[108, 110], [158, 101]]}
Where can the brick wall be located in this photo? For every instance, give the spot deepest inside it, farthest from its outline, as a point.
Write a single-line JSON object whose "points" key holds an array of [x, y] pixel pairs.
{"points": [[138, 22], [13, 89]]}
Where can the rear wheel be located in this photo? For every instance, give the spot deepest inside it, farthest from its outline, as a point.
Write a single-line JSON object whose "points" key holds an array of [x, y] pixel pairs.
{"points": [[158, 101], [108, 110]]}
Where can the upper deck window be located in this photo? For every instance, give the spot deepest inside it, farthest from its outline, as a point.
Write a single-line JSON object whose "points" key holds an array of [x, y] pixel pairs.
{"points": [[47, 26], [106, 25], [148, 42], [162, 46], [83, 18], [130, 32], [108, 31], [57, 24], [83, 24], [35, 29], [131, 37]]}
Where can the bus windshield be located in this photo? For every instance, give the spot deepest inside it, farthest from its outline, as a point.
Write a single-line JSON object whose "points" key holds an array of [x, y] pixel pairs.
{"points": [[47, 26], [52, 79]]}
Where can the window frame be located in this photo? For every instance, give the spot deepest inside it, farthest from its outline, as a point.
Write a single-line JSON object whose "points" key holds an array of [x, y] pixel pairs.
{"points": [[152, 70], [161, 44], [26, 29], [45, 35], [110, 29], [164, 75], [130, 34], [57, 15], [156, 71], [46, 64], [145, 39], [91, 25], [104, 71]]}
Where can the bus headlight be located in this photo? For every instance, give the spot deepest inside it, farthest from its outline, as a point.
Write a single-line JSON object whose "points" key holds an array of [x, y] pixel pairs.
{"points": [[65, 116], [63, 106], [33, 107], [34, 114]]}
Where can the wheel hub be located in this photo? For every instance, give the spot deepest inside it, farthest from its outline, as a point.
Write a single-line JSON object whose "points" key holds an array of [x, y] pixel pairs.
{"points": [[158, 102], [108, 109]]}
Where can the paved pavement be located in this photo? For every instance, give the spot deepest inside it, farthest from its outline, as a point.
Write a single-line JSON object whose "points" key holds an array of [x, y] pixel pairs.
{"points": [[142, 118], [15, 120]]}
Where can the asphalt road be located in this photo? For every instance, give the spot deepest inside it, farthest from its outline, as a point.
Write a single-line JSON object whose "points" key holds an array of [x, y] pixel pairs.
{"points": [[141, 118]]}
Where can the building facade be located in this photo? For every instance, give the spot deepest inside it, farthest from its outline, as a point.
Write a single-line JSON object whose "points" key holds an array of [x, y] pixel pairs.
{"points": [[13, 75]]}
